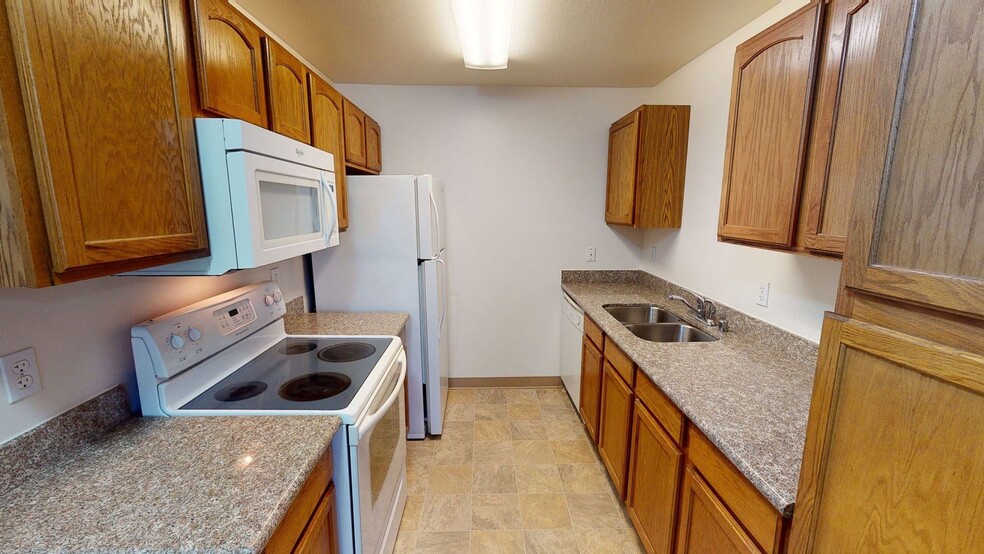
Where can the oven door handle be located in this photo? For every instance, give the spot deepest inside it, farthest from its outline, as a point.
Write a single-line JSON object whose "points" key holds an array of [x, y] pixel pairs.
{"points": [[371, 421]]}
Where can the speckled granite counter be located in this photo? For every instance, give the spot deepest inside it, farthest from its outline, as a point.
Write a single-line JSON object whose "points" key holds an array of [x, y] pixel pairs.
{"points": [[183, 484], [347, 323], [748, 392]]}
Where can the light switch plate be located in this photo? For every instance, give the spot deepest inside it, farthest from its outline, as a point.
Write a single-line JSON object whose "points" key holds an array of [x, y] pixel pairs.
{"points": [[763, 294], [21, 375]]}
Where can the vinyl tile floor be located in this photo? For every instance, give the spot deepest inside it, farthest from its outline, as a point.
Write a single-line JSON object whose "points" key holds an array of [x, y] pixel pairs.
{"points": [[513, 472]]}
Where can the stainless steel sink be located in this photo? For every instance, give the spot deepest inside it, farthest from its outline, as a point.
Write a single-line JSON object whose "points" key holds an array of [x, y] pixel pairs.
{"points": [[640, 313], [669, 332]]}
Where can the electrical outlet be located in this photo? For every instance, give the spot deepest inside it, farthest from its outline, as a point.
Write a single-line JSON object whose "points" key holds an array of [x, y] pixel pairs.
{"points": [[652, 254], [590, 254], [275, 274], [763, 295], [20, 374]]}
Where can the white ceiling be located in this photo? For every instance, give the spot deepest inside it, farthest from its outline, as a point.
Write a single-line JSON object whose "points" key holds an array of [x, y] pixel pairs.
{"points": [[598, 43]]}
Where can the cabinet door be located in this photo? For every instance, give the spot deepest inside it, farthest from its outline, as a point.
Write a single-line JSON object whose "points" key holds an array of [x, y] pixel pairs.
{"points": [[615, 426], [229, 61], [706, 525], [590, 401], [374, 153], [288, 93], [111, 130], [918, 228], [328, 134], [852, 114], [767, 131], [623, 158], [321, 534], [355, 134], [654, 480], [894, 456]]}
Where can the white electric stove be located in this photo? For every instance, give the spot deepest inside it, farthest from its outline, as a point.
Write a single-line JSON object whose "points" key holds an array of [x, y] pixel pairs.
{"points": [[230, 356]]}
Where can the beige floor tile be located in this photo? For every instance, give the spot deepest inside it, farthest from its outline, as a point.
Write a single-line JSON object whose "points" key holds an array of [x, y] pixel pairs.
{"points": [[417, 477], [492, 431], [496, 511], [544, 511], [499, 479], [584, 478], [443, 543], [420, 452], [538, 479], [557, 412], [594, 511], [564, 430], [461, 396], [528, 430], [553, 396], [449, 479], [520, 412], [406, 541], [521, 396], [573, 452], [453, 452], [497, 542], [608, 541], [532, 452], [445, 512], [491, 412], [491, 396], [411, 513], [550, 541], [493, 452], [458, 431], [460, 412]]}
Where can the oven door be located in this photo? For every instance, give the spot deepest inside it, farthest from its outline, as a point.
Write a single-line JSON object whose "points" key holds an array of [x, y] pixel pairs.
{"points": [[381, 455], [280, 209]]}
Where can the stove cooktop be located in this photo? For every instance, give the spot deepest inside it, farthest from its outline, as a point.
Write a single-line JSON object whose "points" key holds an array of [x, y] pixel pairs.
{"points": [[297, 374]]}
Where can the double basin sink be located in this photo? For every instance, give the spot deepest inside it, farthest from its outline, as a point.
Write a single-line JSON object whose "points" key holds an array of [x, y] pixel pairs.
{"points": [[652, 323]]}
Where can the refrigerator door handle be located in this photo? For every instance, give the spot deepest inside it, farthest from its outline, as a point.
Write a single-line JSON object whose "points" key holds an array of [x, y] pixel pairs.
{"points": [[437, 219], [444, 293]]}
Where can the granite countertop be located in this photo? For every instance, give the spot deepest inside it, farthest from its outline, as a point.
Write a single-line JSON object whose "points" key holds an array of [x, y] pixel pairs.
{"points": [[748, 392], [346, 323], [181, 484]]}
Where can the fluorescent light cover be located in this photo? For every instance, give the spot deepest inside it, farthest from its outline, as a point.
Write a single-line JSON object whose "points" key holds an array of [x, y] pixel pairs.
{"points": [[483, 29]]}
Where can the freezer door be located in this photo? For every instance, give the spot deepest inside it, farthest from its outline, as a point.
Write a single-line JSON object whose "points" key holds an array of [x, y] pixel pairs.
{"points": [[432, 222], [434, 309]]}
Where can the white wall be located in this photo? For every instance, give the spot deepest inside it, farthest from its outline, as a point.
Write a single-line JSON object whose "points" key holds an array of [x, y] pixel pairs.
{"points": [[801, 287], [524, 170], [81, 333]]}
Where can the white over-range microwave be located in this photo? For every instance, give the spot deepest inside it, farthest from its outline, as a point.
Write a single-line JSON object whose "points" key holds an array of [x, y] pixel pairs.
{"points": [[267, 198]]}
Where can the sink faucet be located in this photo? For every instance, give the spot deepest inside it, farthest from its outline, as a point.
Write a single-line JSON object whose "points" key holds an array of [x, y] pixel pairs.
{"points": [[703, 309]]}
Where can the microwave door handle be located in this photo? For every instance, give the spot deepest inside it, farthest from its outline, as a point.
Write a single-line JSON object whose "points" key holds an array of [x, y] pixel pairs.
{"points": [[374, 418], [330, 199]]}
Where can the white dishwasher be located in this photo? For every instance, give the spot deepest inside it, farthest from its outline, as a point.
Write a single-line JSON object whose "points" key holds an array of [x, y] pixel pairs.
{"points": [[572, 328]]}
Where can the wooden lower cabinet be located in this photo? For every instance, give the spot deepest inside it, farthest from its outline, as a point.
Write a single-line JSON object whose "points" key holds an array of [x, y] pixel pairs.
{"points": [[311, 522], [590, 401], [615, 426], [654, 479], [706, 525], [321, 535]]}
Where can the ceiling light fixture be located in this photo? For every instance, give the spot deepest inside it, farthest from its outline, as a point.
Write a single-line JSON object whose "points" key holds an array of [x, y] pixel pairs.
{"points": [[484, 27]]}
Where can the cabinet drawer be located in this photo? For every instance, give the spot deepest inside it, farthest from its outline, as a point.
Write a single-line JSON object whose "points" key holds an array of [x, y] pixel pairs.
{"points": [[594, 333], [754, 512], [667, 414], [622, 364]]}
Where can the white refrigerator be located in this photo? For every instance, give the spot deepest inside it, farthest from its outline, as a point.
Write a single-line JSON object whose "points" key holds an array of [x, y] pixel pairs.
{"points": [[392, 258]]}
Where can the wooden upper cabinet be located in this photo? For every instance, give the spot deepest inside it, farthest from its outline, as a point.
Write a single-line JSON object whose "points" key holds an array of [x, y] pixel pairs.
{"points": [[355, 134], [706, 525], [106, 96], [894, 456], [647, 164], [328, 134], [287, 92], [230, 62], [767, 131], [374, 154], [918, 228], [852, 113]]}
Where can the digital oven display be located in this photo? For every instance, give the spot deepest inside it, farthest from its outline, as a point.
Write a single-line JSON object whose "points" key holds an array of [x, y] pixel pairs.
{"points": [[237, 316]]}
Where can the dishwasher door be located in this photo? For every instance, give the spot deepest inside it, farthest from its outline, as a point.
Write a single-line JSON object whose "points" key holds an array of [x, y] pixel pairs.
{"points": [[572, 329]]}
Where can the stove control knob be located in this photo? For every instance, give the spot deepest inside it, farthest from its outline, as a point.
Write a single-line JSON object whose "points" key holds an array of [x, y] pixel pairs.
{"points": [[177, 342], [277, 297], [268, 299], [195, 334]]}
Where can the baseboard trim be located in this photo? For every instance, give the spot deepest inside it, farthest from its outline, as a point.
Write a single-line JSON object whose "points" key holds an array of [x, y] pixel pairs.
{"points": [[503, 382]]}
